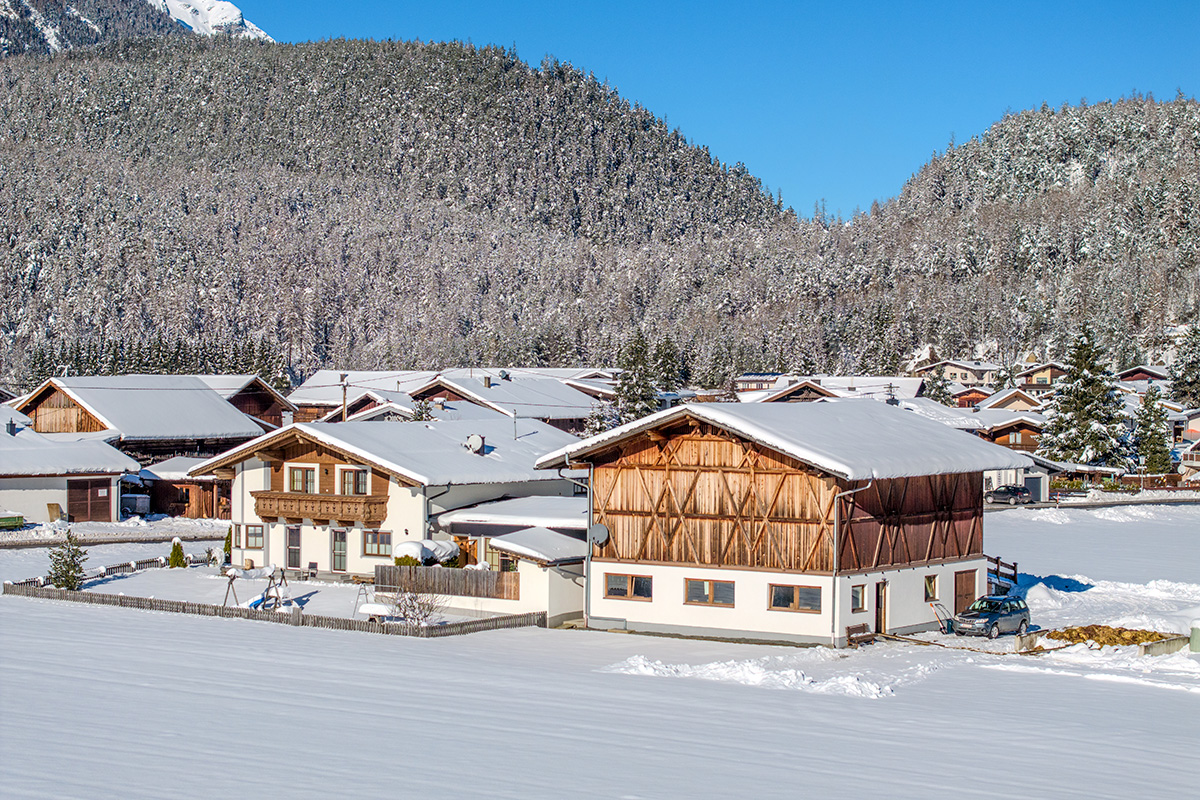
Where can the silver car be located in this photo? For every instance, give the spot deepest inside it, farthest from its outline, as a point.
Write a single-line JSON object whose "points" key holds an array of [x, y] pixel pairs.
{"points": [[993, 615]]}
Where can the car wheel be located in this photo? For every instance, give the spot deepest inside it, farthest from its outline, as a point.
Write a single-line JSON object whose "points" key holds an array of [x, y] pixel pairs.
{"points": [[989, 499], [1012, 501], [994, 631], [1023, 628]]}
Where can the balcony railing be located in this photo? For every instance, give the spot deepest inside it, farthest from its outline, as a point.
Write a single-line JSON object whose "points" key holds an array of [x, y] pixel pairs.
{"points": [[371, 508]]}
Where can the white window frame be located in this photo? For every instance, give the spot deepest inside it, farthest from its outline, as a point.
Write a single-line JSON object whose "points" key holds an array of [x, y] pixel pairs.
{"points": [[342, 469], [287, 476]]}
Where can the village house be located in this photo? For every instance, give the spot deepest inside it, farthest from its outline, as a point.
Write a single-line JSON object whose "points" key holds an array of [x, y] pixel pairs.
{"points": [[545, 399], [1144, 372], [1040, 379], [46, 480], [1014, 399], [808, 388], [145, 416], [172, 491], [783, 521], [253, 396], [336, 498], [381, 405], [967, 396], [968, 373]]}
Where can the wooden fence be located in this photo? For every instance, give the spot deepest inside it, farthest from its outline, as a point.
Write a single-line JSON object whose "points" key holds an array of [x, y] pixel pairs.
{"points": [[1002, 570], [124, 568], [292, 617], [450, 582]]}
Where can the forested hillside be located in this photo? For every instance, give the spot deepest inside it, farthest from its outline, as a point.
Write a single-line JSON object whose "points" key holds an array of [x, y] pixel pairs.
{"points": [[46, 26], [400, 204]]}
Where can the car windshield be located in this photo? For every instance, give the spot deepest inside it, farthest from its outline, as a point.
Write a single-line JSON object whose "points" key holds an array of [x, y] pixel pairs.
{"points": [[985, 606]]}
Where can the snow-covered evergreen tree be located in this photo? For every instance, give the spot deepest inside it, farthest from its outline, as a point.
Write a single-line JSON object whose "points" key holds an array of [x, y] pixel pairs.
{"points": [[1153, 434], [603, 417], [667, 367], [176, 558], [66, 564], [422, 411], [1185, 370], [1084, 417], [937, 388], [636, 396]]}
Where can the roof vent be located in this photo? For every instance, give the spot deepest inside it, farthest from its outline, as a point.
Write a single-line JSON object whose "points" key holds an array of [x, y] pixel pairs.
{"points": [[474, 443], [10, 427]]}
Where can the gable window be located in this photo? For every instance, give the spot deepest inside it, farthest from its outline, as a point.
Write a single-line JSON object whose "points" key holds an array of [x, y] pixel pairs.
{"points": [[254, 537], [806, 599], [708, 593], [858, 598], [354, 481], [377, 543], [293, 546], [303, 479], [930, 588], [628, 587]]}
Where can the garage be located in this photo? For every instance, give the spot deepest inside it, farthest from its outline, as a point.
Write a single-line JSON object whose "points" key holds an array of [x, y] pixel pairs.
{"points": [[89, 500]]}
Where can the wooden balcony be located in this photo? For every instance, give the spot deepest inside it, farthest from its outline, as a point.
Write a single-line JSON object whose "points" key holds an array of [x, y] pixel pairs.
{"points": [[368, 509]]}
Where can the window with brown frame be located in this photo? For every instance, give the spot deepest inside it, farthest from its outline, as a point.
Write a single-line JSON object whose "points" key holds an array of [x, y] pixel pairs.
{"points": [[708, 593], [354, 481], [254, 537], [806, 599], [628, 587], [858, 598], [377, 543], [237, 536], [303, 479], [930, 588]]}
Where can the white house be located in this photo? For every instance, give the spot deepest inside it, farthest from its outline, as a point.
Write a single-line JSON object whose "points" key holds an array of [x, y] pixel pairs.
{"points": [[783, 521]]}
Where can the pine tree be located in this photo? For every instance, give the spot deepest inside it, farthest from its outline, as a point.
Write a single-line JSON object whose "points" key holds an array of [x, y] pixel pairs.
{"points": [[636, 396], [937, 388], [1085, 418], [603, 417], [422, 411], [1185, 370], [667, 368], [177, 558], [66, 564], [1152, 434]]}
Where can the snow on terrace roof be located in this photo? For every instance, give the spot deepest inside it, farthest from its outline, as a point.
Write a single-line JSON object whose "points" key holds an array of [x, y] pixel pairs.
{"points": [[147, 407], [542, 545], [545, 512], [428, 453], [173, 469], [30, 453], [525, 398], [853, 440]]}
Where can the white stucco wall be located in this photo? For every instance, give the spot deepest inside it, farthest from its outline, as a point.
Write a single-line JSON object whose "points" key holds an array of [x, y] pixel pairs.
{"points": [[30, 496], [907, 611]]}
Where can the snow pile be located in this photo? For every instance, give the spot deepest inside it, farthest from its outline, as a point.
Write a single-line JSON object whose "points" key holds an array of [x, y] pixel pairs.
{"points": [[425, 549], [755, 672]]}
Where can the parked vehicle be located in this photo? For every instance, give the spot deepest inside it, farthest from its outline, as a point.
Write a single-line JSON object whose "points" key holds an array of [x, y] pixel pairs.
{"points": [[993, 615], [1008, 494]]}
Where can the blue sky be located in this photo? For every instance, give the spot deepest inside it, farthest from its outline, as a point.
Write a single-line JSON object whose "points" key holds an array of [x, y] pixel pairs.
{"points": [[839, 102]]}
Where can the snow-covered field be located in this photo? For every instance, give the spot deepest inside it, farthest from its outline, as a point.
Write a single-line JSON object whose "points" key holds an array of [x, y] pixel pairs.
{"points": [[154, 528], [105, 702]]}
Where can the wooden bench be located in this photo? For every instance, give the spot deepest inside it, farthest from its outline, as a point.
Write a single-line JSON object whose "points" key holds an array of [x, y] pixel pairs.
{"points": [[859, 634]]}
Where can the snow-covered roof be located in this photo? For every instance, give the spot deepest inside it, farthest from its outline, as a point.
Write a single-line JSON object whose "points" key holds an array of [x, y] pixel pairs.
{"points": [[525, 398], [107, 435], [1038, 367], [31, 453], [402, 403], [545, 512], [541, 545], [1133, 406], [1006, 395], [975, 366], [148, 407], [1160, 373], [427, 453], [855, 440], [173, 469], [8, 413], [875, 386], [229, 385]]}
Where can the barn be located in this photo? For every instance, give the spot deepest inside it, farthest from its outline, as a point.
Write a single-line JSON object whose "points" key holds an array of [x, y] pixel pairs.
{"points": [[783, 521]]}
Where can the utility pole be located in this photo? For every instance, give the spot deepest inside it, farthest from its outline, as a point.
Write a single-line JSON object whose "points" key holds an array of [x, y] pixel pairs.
{"points": [[345, 386]]}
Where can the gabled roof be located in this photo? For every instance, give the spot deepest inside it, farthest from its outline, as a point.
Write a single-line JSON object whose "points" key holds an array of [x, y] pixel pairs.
{"points": [[873, 386], [230, 385], [1158, 373], [30, 453], [854, 440], [542, 546], [523, 398], [173, 469], [545, 512], [1005, 395], [981, 366], [1038, 367], [154, 407], [425, 453], [403, 404]]}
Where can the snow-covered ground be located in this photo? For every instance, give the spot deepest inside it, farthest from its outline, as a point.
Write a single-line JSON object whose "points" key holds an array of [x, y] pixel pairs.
{"points": [[105, 702], [30, 562], [153, 528]]}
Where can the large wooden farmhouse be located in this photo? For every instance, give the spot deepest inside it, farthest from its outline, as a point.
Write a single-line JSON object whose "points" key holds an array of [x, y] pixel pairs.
{"points": [[787, 521]]}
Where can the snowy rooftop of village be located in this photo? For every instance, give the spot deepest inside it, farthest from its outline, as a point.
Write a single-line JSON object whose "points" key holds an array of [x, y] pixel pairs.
{"points": [[547, 512], [542, 545], [31, 453]]}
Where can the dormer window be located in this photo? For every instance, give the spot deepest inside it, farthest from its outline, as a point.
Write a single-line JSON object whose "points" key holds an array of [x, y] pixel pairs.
{"points": [[354, 481], [303, 479]]}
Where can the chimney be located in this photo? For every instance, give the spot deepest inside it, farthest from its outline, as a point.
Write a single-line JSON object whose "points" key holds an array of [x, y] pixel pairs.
{"points": [[10, 427], [439, 402], [487, 381]]}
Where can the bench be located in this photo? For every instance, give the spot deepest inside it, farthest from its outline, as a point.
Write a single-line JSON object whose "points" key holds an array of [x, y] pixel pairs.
{"points": [[859, 634]]}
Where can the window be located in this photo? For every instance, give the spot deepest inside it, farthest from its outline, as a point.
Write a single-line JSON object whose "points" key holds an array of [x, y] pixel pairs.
{"points": [[708, 593], [858, 598], [237, 535], [303, 479], [377, 543], [293, 546], [796, 598], [498, 560], [628, 587], [930, 588], [254, 537], [339, 550], [1043, 380], [354, 481]]}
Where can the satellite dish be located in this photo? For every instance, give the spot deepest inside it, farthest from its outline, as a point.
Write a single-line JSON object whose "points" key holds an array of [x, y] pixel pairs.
{"points": [[598, 534], [474, 443]]}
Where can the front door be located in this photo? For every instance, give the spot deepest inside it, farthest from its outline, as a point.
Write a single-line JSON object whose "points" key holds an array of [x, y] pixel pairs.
{"points": [[881, 607], [89, 500], [339, 550], [293, 546], [964, 590]]}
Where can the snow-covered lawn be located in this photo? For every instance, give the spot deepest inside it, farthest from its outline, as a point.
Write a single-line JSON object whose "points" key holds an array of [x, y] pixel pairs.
{"points": [[154, 528], [30, 562], [105, 702]]}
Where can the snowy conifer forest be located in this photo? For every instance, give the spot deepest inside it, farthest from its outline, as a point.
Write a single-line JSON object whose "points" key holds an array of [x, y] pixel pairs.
{"points": [[404, 204]]}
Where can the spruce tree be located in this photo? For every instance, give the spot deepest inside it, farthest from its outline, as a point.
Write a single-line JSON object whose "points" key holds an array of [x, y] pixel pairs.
{"points": [[937, 388], [1153, 433], [1085, 417], [1185, 370], [603, 417], [422, 411], [667, 368], [66, 564], [177, 558], [636, 396]]}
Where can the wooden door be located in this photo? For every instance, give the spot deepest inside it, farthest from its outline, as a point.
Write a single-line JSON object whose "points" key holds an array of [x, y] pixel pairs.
{"points": [[89, 500], [881, 607], [964, 590]]}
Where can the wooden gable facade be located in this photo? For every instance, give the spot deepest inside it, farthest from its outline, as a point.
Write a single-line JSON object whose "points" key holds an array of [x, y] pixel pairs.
{"points": [[803, 392], [691, 493], [257, 401], [51, 410]]}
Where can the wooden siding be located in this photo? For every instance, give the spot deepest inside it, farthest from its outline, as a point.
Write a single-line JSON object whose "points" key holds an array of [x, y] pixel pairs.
{"points": [[327, 461], [258, 403], [310, 413], [700, 496], [52, 411]]}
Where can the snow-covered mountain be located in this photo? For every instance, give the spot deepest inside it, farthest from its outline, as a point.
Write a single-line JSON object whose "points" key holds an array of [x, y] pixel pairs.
{"points": [[211, 17]]}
